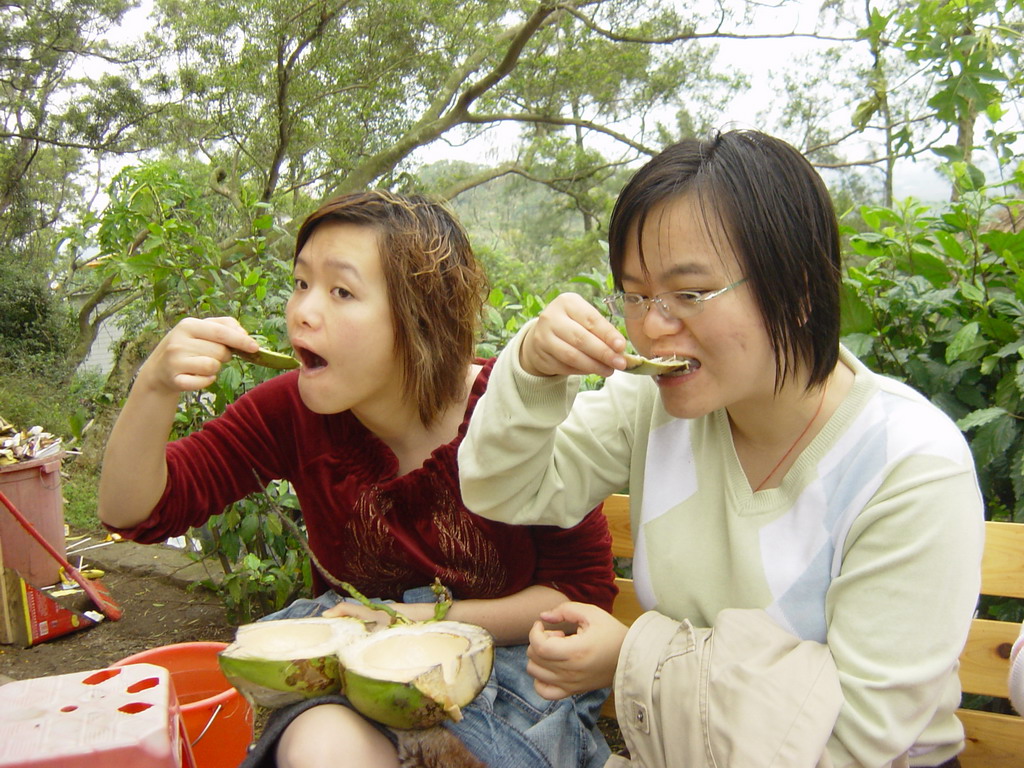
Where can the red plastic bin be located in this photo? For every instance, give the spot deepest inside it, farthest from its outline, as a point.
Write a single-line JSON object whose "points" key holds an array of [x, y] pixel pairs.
{"points": [[34, 488]]}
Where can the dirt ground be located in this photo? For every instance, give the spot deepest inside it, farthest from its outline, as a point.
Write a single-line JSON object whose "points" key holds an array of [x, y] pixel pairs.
{"points": [[156, 613]]}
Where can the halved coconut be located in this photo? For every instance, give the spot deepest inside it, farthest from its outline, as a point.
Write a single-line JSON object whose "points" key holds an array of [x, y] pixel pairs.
{"points": [[414, 676], [274, 663]]}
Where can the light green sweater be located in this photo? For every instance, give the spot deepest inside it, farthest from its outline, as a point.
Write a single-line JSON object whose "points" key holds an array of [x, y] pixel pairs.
{"points": [[871, 544]]}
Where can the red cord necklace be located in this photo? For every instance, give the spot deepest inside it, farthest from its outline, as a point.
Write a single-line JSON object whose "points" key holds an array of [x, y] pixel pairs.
{"points": [[795, 442]]}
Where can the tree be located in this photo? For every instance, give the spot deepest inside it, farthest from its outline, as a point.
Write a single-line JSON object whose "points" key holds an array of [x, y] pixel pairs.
{"points": [[283, 105], [44, 129], [260, 108], [970, 54]]}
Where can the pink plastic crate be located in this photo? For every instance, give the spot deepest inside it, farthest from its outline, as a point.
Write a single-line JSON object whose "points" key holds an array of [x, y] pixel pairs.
{"points": [[123, 716]]}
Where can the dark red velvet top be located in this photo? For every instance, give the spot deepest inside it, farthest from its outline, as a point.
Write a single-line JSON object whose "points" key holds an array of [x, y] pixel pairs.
{"points": [[382, 533]]}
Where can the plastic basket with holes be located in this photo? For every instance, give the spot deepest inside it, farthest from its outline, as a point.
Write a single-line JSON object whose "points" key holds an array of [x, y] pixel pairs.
{"points": [[123, 716]]}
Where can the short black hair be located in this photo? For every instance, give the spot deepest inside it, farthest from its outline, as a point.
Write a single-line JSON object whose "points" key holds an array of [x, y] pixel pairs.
{"points": [[780, 221]]}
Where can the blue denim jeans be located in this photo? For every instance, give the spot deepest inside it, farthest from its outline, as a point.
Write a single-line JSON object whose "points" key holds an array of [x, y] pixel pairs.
{"points": [[507, 726]]}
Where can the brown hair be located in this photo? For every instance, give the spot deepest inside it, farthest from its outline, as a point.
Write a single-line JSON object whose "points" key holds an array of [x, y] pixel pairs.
{"points": [[435, 288], [780, 221]]}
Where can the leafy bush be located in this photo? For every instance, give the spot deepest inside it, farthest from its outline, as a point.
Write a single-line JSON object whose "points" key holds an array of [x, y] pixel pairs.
{"points": [[938, 302], [32, 323]]}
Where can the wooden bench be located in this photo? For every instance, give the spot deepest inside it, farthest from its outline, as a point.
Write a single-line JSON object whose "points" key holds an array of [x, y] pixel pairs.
{"points": [[993, 740]]}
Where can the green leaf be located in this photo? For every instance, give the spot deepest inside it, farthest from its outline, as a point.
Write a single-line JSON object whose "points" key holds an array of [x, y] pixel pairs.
{"points": [[993, 439], [231, 377], [855, 314], [980, 418], [962, 341], [232, 517], [865, 111], [951, 245], [859, 344], [249, 526], [928, 266], [949, 152]]}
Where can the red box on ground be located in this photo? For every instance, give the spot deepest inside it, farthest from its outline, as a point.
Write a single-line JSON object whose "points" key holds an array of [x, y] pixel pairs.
{"points": [[29, 616]]}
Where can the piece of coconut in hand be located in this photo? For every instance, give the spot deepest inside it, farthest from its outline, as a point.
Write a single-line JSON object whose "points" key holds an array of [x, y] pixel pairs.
{"points": [[268, 358], [655, 366]]}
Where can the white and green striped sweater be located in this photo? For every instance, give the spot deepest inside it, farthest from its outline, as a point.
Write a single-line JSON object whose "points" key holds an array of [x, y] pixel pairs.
{"points": [[872, 542]]}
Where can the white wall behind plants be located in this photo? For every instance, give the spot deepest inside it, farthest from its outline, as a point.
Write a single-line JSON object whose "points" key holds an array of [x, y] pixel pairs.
{"points": [[101, 357]]}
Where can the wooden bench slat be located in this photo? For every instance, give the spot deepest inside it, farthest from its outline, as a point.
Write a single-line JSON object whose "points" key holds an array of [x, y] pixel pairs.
{"points": [[993, 741], [627, 604], [984, 663], [1002, 566]]}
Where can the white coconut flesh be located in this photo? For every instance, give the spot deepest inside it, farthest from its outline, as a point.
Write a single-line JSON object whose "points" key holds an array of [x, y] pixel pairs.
{"points": [[415, 676], [274, 663]]}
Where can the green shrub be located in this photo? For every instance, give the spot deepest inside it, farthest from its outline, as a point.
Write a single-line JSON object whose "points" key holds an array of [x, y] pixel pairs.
{"points": [[938, 301]]}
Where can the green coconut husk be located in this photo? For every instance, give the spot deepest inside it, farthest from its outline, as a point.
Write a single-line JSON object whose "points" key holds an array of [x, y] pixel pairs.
{"points": [[267, 358], [408, 675], [416, 676]]}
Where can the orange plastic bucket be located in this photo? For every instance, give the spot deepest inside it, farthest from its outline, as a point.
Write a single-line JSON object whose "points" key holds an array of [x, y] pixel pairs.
{"points": [[217, 718]]}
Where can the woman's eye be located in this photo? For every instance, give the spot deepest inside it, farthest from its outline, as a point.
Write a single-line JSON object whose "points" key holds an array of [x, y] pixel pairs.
{"points": [[299, 284], [342, 293], [689, 295]]}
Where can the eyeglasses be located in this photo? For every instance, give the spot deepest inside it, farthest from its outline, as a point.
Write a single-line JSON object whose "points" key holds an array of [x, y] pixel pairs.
{"points": [[674, 305]]}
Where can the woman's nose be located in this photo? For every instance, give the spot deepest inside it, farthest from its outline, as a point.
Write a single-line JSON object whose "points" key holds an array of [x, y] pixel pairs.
{"points": [[658, 322], [303, 309]]}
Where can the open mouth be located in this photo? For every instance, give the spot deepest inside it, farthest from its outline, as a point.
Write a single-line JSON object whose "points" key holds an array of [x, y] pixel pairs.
{"points": [[310, 360], [685, 370], [655, 366]]}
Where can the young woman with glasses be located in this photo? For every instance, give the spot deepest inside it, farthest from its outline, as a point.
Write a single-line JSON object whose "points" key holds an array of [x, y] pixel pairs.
{"points": [[774, 475], [383, 317]]}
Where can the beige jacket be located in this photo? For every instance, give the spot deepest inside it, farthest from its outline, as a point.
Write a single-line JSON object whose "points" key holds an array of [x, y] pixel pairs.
{"points": [[745, 693]]}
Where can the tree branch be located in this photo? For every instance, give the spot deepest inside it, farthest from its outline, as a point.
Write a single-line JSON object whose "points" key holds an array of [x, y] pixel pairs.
{"points": [[691, 34], [526, 117], [508, 61]]}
